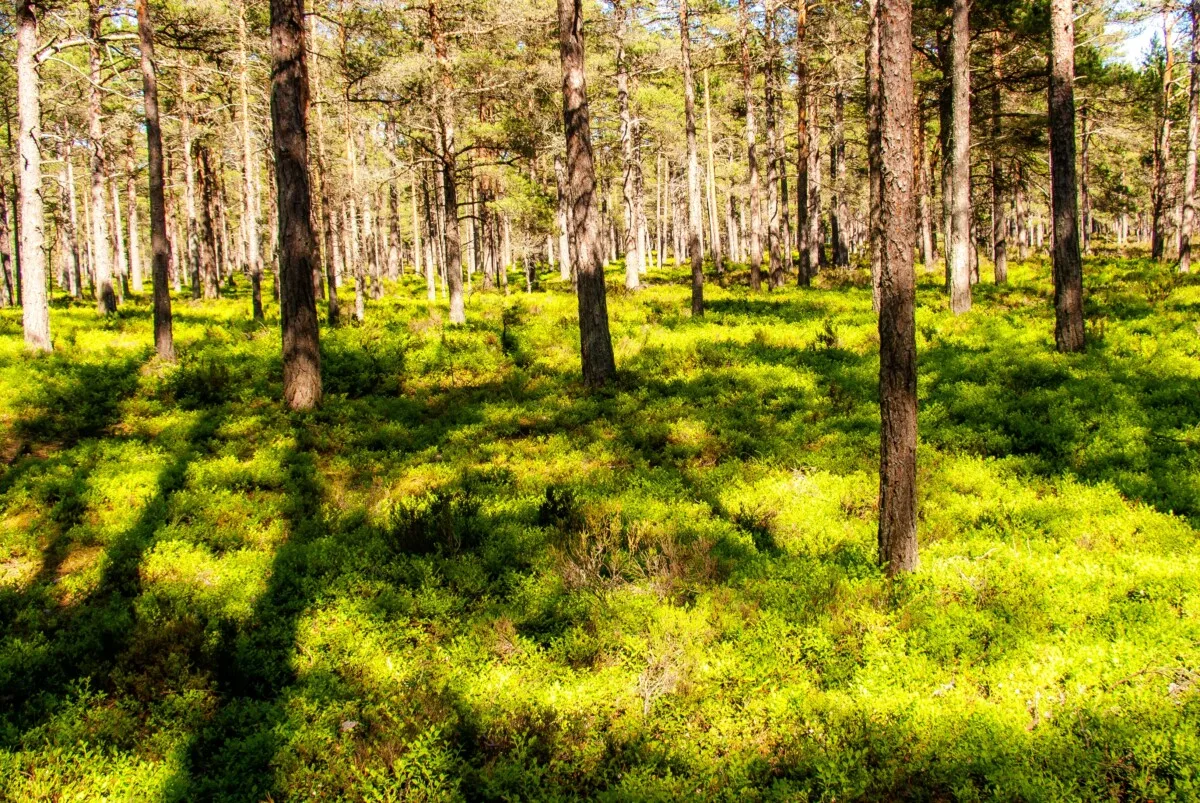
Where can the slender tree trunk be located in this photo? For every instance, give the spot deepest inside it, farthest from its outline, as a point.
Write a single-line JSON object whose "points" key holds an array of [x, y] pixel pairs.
{"points": [[632, 246], [714, 228], [1189, 174], [774, 214], [1068, 269], [8, 294], [189, 175], [755, 233], [897, 323], [131, 216], [1085, 190], [445, 114], [289, 117], [595, 342], [252, 255], [924, 180], [120, 260], [841, 211], [31, 238], [874, 151], [106, 297], [999, 181], [815, 241], [67, 217], [959, 158], [160, 255], [1162, 150], [695, 247], [331, 248], [206, 234], [806, 268]]}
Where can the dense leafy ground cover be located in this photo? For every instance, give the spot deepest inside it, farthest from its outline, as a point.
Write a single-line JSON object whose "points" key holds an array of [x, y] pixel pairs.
{"points": [[465, 577]]}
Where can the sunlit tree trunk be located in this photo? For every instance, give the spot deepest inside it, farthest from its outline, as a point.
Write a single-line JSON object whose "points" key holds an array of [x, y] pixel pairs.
{"points": [[189, 176], [1189, 172], [999, 180], [1068, 269], [67, 215], [160, 256], [297, 253], [36, 311], [754, 236], [580, 180], [633, 268], [897, 323], [806, 268], [106, 297], [958, 157], [874, 152], [714, 228], [445, 115], [131, 216]]}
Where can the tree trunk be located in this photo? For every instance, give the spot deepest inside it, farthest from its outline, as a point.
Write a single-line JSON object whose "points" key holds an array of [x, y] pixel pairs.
{"points": [[999, 181], [695, 248], [874, 151], [1189, 175], [924, 200], [1068, 269], [120, 259], [774, 229], [755, 233], [206, 234], [189, 176], [160, 255], [837, 156], [445, 114], [289, 118], [1085, 190], [106, 297], [595, 342], [36, 312], [252, 256], [897, 323], [131, 216], [8, 295], [632, 246], [806, 268], [1162, 149], [714, 228], [814, 238], [958, 157], [67, 217]]}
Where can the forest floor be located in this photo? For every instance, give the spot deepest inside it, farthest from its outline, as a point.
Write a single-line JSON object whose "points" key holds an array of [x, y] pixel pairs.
{"points": [[467, 577]]}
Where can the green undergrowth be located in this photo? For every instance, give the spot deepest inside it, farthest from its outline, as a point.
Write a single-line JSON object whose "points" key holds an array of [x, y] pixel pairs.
{"points": [[466, 577]]}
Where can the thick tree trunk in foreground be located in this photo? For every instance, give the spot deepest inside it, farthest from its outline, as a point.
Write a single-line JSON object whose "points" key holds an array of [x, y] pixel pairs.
{"points": [[36, 312], [160, 254], [289, 118], [694, 246], [1068, 269], [580, 180], [959, 159], [1193, 138], [755, 234], [897, 323]]}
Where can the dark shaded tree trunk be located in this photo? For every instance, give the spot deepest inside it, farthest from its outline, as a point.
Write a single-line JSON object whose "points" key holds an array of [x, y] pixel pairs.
{"points": [[580, 181], [806, 269], [160, 255], [874, 151], [897, 322], [999, 180], [1068, 268], [206, 234], [31, 237], [1085, 190], [8, 295], [837, 158], [289, 118]]}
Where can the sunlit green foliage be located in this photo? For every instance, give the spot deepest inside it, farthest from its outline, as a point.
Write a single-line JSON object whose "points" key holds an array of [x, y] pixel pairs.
{"points": [[466, 577]]}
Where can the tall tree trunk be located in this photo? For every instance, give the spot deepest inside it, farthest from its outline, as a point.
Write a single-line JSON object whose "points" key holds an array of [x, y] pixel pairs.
{"points": [[106, 297], [1085, 190], [897, 322], [774, 213], [874, 151], [1162, 148], [815, 240], [837, 156], [206, 235], [189, 175], [445, 114], [160, 255], [252, 256], [924, 180], [564, 222], [36, 312], [120, 260], [695, 248], [1189, 174], [131, 216], [958, 157], [714, 228], [595, 342], [755, 233], [8, 294], [331, 248], [999, 181], [289, 118], [1068, 269], [632, 246], [806, 268], [68, 220]]}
